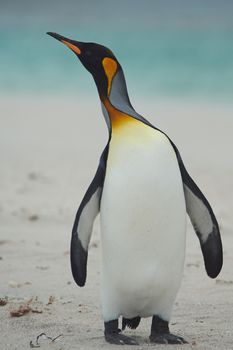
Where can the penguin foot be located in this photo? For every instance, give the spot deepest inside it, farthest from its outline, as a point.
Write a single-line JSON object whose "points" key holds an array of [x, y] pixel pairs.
{"points": [[166, 338], [160, 333], [119, 339], [113, 334]]}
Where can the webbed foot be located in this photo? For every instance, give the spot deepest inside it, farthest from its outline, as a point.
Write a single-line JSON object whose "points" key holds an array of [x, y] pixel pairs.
{"points": [[166, 338], [113, 334], [160, 333]]}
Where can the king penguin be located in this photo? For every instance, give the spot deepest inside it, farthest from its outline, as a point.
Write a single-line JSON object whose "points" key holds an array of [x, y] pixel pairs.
{"points": [[142, 191]]}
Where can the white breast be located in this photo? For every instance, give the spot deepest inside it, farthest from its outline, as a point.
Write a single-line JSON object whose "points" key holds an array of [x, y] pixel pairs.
{"points": [[143, 224]]}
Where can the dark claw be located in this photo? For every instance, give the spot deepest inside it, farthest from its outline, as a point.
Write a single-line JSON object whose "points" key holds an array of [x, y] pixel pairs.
{"points": [[167, 338], [119, 339]]}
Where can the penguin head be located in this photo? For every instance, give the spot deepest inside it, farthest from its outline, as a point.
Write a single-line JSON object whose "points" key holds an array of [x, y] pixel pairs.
{"points": [[97, 59]]}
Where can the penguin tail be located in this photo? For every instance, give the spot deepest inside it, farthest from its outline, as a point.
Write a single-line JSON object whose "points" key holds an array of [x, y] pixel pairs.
{"points": [[130, 322]]}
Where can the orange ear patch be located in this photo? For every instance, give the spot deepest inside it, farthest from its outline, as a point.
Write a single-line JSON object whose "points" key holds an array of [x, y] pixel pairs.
{"points": [[110, 68], [72, 47]]}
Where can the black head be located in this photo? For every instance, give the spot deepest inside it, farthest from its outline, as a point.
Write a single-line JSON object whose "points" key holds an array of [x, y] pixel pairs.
{"points": [[97, 59]]}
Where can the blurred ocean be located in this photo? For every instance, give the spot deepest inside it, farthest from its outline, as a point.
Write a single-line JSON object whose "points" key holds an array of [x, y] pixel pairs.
{"points": [[166, 48]]}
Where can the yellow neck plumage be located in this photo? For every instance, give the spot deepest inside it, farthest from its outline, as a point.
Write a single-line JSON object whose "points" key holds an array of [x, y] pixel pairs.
{"points": [[118, 119]]}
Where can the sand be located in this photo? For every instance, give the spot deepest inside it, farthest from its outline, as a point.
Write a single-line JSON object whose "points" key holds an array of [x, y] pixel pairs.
{"points": [[49, 150]]}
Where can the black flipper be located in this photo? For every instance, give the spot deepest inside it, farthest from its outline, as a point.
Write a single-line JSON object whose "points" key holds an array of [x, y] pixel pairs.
{"points": [[204, 222], [82, 228], [130, 322]]}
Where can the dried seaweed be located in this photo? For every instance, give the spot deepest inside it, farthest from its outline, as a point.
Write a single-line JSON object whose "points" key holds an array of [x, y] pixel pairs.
{"points": [[3, 301], [24, 309], [51, 300]]}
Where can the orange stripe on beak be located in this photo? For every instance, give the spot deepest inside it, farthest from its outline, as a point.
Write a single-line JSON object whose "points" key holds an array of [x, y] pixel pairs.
{"points": [[72, 47]]}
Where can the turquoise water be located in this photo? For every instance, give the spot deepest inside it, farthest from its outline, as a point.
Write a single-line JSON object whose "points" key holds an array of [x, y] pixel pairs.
{"points": [[182, 51]]}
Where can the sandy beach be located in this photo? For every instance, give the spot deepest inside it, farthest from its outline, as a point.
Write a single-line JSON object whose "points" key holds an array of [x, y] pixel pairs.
{"points": [[49, 151]]}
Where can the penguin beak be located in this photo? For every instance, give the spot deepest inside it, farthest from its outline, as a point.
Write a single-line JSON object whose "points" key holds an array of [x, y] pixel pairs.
{"points": [[73, 45]]}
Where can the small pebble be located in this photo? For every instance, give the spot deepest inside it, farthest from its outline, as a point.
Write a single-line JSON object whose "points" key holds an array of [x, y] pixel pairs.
{"points": [[33, 217]]}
